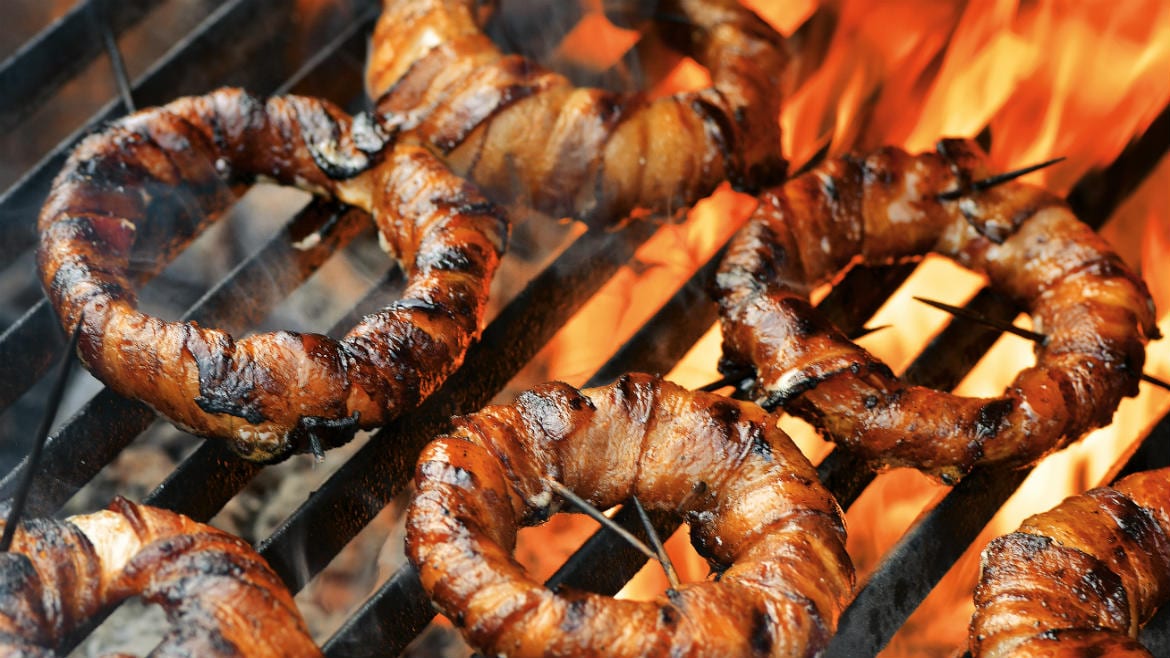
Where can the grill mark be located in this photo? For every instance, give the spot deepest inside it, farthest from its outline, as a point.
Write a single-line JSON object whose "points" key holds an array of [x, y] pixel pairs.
{"points": [[992, 416], [760, 637]]}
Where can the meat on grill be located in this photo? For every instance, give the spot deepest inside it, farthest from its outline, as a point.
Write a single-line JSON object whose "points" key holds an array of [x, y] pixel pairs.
{"points": [[528, 135], [1080, 579], [1096, 313], [221, 598], [757, 512], [272, 393]]}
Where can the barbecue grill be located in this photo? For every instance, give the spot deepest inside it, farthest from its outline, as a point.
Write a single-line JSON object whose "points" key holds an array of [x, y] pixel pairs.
{"points": [[232, 45]]}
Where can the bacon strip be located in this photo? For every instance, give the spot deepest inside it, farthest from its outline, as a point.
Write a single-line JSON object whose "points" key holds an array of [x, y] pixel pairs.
{"points": [[274, 393], [1096, 313], [528, 135], [756, 509]]}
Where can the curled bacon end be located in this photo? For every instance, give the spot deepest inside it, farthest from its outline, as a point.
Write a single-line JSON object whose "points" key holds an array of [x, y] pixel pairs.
{"points": [[754, 504]]}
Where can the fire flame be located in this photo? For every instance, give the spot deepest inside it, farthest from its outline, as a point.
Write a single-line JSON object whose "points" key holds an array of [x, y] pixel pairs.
{"points": [[1044, 78]]}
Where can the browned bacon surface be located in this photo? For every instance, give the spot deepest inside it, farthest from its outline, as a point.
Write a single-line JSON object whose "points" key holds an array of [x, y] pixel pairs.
{"points": [[221, 598], [1080, 579], [1097, 315], [273, 393], [525, 134], [755, 506]]}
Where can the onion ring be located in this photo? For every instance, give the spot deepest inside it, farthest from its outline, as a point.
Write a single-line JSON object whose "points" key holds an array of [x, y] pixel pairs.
{"points": [[1096, 313], [528, 135], [274, 393], [773, 534]]}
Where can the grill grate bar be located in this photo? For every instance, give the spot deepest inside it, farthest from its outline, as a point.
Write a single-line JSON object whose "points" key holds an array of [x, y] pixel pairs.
{"points": [[43, 64], [109, 422]]}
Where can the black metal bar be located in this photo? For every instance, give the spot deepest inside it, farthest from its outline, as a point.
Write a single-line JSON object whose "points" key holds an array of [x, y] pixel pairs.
{"points": [[382, 467], [669, 333], [386, 622], [27, 349], [932, 545], [233, 46], [1100, 192], [108, 422], [54, 56]]}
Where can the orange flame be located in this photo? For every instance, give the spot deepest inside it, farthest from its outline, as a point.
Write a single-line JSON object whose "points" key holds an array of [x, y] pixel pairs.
{"points": [[1046, 78]]}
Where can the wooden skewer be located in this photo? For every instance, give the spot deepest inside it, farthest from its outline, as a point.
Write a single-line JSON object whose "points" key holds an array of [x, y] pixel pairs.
{"points": [[663, 558], [34, 457], [604, 520]]}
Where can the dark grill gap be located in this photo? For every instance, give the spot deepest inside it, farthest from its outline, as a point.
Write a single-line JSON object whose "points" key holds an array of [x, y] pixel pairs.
{"points": [[228, 48]]}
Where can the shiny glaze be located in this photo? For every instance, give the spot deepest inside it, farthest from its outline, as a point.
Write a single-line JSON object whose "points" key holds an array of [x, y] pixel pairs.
{"points": [[879, 208], [756, 509], [1080, 579], [528, 135], [269, 394], [221, 598]]}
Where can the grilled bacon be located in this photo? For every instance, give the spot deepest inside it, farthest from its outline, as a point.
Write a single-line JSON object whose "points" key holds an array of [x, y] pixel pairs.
{"points": [[274, 393], [1079, 579], [528, 135], [757, 512], [1095, 312], [221, 598]]}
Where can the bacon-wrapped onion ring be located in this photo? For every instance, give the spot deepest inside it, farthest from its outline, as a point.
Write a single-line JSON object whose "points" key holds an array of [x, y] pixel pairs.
{"points": [[525, 134], [271, 393], [1080, 579], [1097, 315], [756, 509], [221, 598]]}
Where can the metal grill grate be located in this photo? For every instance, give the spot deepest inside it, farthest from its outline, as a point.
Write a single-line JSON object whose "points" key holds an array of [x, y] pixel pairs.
{"points": [[227, 48]]}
